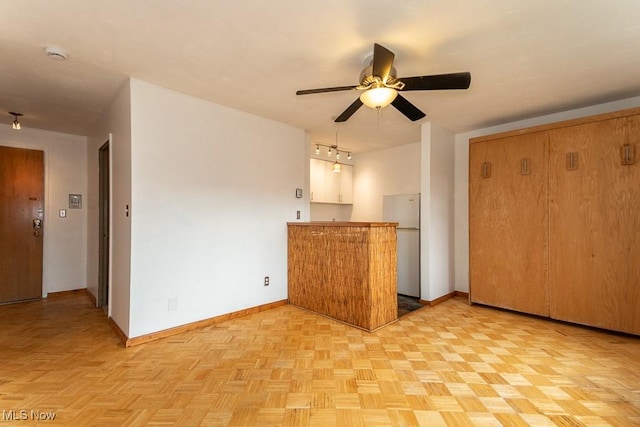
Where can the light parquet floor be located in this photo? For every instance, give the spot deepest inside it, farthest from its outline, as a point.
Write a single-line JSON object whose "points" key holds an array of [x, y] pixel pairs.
{"points": [[449, 365]]}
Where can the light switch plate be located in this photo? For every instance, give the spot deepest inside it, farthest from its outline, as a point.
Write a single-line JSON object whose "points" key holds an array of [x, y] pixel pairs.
{"points": [[62, 213]]}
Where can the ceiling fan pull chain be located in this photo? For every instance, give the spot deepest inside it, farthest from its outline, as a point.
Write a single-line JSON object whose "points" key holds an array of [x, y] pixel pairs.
{"points": [[379, 113]]}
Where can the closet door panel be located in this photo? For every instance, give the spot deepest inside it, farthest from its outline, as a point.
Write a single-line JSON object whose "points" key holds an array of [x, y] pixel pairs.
{"points": [[508, 221], [630, 291], [594, 225]]}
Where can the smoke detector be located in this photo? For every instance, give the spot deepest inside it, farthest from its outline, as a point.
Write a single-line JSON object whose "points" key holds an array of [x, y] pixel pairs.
{"points": [[55, 53]]}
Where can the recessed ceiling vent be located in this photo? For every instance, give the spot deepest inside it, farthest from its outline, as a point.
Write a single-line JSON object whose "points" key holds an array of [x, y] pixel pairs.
{"points": [[55, 53]]}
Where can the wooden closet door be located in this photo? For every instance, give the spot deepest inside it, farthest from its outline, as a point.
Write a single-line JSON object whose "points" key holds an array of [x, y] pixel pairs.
{"points": [[594, 275], [508, 220]]}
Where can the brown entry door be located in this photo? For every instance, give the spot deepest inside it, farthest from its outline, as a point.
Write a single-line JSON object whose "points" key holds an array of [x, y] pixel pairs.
{"points": [[21, 223]]}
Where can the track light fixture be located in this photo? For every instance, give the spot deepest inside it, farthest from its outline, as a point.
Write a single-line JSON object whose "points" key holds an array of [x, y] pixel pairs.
{"points": [[337, 166], [16, 123], [331, 149]]}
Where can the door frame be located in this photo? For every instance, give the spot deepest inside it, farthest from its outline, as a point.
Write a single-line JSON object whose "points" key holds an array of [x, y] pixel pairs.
{"points": [[104, 228]]}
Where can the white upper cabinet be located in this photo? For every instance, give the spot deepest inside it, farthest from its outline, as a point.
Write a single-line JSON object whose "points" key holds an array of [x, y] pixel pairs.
{"points": [[328, 186], [316, 177], [346, 184]]}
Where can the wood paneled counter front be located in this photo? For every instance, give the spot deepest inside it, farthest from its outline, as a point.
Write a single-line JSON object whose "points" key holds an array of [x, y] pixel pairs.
{"points": [[344, 270]]}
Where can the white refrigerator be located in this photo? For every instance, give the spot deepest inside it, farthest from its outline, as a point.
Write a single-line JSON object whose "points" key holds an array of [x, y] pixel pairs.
{"points": [[405, 210]]}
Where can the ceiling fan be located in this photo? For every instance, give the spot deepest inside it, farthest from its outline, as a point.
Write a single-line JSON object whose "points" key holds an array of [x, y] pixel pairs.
{"points": [[380, 84]]}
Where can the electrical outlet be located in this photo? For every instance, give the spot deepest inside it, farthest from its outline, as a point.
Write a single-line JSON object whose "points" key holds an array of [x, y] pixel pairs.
{"points": [[173, 304], [297, 214], [266, 280]]}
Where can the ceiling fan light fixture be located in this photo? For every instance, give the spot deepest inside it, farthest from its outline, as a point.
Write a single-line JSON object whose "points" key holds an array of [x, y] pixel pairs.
{"points": [[378, 97]]}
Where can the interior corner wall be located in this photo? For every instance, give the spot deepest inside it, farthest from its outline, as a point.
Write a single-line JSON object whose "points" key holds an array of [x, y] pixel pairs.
{"points": [[64, 245], [394, 170], [116, 122], [462, 173], [437, 264], [212, 191]]}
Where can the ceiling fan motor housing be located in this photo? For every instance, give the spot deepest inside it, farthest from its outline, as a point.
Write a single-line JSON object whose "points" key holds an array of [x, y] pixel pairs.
{"points": [[368, 79]]}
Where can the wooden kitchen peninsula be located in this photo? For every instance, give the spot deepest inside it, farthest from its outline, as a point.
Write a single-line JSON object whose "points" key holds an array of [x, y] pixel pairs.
{"points": [[344, 270]]}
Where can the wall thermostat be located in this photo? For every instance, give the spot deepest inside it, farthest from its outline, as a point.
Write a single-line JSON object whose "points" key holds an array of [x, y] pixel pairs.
{"points": [[75, 201]]}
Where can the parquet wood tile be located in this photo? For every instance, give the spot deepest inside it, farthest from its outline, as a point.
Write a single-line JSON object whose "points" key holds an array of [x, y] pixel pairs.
{"points": [[448, 365]]}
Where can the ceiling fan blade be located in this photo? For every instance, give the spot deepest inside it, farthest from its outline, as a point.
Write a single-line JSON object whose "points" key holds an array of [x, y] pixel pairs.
{"points": [[349, 111], [382, 61], [325, 89], [437, 82], [408, 109]]}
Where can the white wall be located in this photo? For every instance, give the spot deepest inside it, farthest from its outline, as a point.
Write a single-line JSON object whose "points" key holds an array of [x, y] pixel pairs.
{"points": [[330, 212], [462, 174], [117, 122], [64, 251], [212, 190], [437, 212], [394, 170]]}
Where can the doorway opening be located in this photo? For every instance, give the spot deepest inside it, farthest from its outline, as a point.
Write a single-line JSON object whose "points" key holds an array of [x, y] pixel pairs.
{"points": [[104, 209]]}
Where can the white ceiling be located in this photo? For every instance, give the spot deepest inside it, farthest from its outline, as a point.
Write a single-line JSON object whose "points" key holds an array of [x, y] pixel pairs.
{"points": [[526, 58]]}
